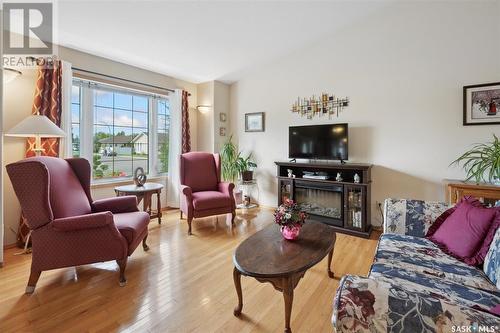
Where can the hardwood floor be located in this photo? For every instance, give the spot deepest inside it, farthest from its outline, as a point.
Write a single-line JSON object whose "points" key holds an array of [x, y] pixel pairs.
{"points": [[183, 284]]}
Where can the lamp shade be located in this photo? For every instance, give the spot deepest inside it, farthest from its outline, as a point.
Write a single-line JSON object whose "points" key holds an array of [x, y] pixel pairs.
{"points": [[36, 126]]}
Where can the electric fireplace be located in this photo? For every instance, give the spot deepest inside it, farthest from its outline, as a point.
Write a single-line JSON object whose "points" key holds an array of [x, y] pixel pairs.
{"points": [[337, 194], [324, 202]]}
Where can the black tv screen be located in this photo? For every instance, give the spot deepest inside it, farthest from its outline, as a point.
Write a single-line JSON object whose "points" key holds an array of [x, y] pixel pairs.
{"points": [[325, 142]]}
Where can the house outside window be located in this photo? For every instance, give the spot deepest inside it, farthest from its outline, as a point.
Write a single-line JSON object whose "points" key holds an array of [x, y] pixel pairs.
{"points": [[116, 128]]}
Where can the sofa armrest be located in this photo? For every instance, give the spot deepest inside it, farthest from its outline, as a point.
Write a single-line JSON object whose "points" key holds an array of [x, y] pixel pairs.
{"points": [[116, 205], [81, 222], [411, 217]]}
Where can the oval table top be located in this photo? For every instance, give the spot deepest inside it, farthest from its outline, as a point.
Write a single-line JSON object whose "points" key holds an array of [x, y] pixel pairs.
{"points": [[268, 254], [138, 189]]}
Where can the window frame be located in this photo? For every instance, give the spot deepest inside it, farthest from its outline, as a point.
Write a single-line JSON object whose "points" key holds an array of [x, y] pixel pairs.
{"points": [[87, 102]]}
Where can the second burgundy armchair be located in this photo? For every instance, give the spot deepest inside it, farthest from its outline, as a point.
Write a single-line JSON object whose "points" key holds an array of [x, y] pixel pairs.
{"points": [[68, 228], [202, 192]]}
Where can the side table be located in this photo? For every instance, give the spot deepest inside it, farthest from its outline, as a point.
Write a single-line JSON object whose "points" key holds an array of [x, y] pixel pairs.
{"points": [[246, 190], [144, 192]]}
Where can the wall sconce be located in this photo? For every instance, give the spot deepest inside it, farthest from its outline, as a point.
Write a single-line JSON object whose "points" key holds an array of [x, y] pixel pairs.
{"points": [[203, 108], [10, 74]]}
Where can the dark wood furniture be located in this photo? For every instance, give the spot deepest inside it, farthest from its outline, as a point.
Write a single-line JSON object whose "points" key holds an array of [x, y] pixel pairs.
{"points": [[268, 257], [144, 192], [456, 189], [345, 205]]}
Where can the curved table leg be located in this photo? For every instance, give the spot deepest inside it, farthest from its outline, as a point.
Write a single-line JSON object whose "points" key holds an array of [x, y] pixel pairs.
{"points": [[330, 256], [288, 297], [237, 285]]}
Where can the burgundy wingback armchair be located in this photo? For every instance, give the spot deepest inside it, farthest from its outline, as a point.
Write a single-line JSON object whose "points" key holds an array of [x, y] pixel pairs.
{"points": [[68, 228], [202, 192]]}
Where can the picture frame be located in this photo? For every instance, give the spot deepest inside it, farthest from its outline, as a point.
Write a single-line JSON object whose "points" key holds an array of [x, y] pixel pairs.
{"points": [[222, 131], [254, 122], [481, 103], [222, 117]]}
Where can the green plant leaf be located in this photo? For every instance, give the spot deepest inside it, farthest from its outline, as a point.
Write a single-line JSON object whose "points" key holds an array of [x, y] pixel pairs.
{"points": [[482, 161]]}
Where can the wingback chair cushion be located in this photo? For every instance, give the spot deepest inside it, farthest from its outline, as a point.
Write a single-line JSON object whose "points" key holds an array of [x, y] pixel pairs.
{"points": [[199, 171], [210, 200], [133, 226], [67, 196]]}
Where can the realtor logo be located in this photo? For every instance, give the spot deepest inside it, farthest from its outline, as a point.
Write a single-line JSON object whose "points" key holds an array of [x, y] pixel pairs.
{"points": [[27, 28]]}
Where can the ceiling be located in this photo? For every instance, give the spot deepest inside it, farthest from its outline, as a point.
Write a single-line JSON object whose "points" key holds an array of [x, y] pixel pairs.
{"points": [[203, 40]]}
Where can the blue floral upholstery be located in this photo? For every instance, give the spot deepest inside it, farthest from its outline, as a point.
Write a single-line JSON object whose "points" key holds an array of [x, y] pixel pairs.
{"points": [[415, 287], [492, 261], [382, 305], [423, 256], [411, 217]]}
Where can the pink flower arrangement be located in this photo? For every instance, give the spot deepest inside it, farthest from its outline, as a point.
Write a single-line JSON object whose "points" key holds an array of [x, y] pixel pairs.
{"points": [[288, 214]]}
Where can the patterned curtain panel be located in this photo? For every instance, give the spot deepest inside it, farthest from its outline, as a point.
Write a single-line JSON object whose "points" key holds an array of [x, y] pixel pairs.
{"points": [[186, 137], [47, 102]]}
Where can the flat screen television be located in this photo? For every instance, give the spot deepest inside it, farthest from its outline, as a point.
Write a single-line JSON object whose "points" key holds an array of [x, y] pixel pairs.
{"points": [[323, 142]]}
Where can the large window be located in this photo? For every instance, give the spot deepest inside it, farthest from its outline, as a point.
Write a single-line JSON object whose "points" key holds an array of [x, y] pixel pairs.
{"points": [[116, 129], [75, 120], [163, 121]]}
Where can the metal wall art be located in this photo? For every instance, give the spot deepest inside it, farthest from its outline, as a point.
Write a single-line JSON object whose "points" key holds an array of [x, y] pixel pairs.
{"points": [[321, 105]]}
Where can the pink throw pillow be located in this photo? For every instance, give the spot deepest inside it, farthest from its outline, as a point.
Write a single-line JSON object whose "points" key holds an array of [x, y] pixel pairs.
{"points": [[441, 218], [463, 233]]}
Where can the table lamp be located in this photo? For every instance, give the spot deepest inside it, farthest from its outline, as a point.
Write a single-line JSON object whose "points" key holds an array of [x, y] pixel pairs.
{"points": [[36, 126]]}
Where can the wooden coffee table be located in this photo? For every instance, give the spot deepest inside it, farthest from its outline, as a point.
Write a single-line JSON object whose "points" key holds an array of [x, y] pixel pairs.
{"points": [[268, 257]]}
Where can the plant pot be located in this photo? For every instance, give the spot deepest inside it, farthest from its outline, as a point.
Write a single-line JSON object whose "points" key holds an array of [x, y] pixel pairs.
{"points": [[247, 176], [290, 232]]}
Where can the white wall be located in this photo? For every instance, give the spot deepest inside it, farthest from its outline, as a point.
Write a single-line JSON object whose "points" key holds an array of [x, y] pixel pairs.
{"points": [[18, 101], [215, 95], [403, 69], [206, 116], [221, 105]]}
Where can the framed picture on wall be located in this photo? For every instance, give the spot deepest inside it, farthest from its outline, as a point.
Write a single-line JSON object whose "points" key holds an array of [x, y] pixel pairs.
{"points": [[254, 122], [482, 104]]}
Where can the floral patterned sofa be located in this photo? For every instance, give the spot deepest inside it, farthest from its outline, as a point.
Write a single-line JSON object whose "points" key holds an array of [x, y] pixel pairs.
{"points": [[415, 287]]}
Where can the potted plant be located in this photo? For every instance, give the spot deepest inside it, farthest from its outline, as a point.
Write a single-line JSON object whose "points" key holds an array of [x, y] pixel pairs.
{"points": [[229, 158], [234, 164], [289, 216], [246, 166], [482, 162]]}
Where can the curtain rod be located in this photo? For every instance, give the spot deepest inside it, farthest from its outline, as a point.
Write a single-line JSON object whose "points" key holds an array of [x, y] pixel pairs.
{"points": [[118, 78], [122, 79]]}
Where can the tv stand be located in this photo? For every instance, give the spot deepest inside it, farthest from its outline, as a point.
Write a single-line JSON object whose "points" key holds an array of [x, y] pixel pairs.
{"points": [[344, 205]]}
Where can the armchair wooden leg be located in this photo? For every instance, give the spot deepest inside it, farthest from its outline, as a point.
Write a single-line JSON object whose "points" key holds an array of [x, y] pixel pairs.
{"points": [[181, 215], [123, 264], [34, 276], [189, 220], [145, 246], [233, 215]]}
